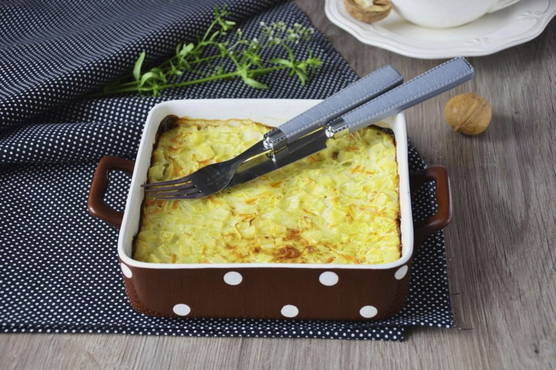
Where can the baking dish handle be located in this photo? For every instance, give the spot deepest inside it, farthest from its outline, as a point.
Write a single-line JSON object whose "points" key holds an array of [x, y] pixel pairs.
{"points": [[96, 204], [443, 215]]}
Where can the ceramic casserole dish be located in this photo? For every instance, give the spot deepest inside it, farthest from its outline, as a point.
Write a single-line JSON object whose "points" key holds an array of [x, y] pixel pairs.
{"points": [[263, 290]]}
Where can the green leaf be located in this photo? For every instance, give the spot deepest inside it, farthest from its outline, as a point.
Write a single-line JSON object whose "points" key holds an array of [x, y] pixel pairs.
{"points": [[253, 57], [222, 48], [186, 49], [302, 66], [314, 62], [174, 71], [253, 83], [302, 76], [152, 78], [284, 62], [159, 74], [225, 25], [137, 66], [147, 77]]}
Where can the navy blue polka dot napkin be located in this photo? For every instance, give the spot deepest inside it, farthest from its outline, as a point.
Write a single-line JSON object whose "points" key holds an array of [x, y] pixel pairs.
{"points": [[59, 270]]}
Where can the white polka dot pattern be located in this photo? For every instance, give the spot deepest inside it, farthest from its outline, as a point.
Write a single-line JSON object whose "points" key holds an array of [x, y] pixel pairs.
{"points": [[233, 278], [368, 312], [181, 309], [401, 272], [328, 278], [289, 311], [126, 271], [59, 271]]}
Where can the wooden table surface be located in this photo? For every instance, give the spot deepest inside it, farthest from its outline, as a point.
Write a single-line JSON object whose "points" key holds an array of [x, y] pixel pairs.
{"points": [[501, 261]]}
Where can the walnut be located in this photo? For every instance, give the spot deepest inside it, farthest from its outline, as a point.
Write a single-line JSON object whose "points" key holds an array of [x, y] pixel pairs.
{"points": [[368, 11], [468, 113]]}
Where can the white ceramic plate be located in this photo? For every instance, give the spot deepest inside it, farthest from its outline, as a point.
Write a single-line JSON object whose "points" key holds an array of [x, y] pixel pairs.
{"points": [[494, 32]]}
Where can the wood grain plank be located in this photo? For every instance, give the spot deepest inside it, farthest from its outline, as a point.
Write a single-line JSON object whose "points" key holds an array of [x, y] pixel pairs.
{"points": [[501, 262]]}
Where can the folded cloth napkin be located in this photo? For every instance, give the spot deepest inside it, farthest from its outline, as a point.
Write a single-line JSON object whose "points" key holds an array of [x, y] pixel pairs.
{"points": [[59, 270]]}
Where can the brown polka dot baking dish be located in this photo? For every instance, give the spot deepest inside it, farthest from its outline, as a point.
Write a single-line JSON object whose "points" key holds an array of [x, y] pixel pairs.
{"points": [[181, 262]]}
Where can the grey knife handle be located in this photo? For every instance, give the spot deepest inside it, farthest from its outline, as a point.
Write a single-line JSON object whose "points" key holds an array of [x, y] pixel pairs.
{"points": [[433, 82], [368, 87]]}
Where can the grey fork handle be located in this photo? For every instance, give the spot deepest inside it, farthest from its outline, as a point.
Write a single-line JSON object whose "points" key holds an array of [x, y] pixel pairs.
{"points": [[366, 88], [433, 82]]}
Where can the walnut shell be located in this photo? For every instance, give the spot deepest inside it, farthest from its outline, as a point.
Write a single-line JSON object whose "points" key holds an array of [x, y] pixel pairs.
{"points": [[377, 10], [468, 113]]}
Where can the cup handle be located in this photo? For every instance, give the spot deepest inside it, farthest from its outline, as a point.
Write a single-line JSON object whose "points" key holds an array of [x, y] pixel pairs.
{"points": [[501, 4], [443, 215], [95, 204]]}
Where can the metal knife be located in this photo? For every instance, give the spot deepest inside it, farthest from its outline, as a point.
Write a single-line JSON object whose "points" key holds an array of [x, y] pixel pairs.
{"points": [[357, 93], [425, 86]]}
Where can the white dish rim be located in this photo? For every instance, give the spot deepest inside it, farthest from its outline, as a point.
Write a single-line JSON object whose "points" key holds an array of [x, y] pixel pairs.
{"points": [[272, 113], [383, 42]]}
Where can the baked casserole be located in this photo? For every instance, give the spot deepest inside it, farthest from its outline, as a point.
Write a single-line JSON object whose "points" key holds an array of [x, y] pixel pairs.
{"points": [[340, 205]]}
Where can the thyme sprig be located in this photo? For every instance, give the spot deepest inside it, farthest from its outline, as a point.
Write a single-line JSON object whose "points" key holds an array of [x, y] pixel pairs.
{"points": [[215, 57]]}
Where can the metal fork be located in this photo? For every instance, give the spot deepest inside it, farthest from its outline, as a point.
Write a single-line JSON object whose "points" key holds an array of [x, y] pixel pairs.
{"points": [[207, 180], [217, 176]]}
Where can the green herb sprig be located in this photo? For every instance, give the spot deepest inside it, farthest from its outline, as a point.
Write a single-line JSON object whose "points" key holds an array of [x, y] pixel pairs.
{"points": [[212, 55]]}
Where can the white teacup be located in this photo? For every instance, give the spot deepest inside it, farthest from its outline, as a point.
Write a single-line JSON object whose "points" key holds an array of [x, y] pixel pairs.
{"points": [[447, 13]]}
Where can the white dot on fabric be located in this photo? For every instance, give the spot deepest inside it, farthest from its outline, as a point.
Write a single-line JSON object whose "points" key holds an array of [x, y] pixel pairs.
{"points": [[328, 278], [289, 310], [368, 311], [126, 270], [181, 309], [401, 272], [233, 278]]}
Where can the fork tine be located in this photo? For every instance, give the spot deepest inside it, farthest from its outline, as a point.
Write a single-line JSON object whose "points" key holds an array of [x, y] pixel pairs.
{"points": [[188, 194], [168, 182], [168, 192], [163, 189], [173, 194], [178, 191]]}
